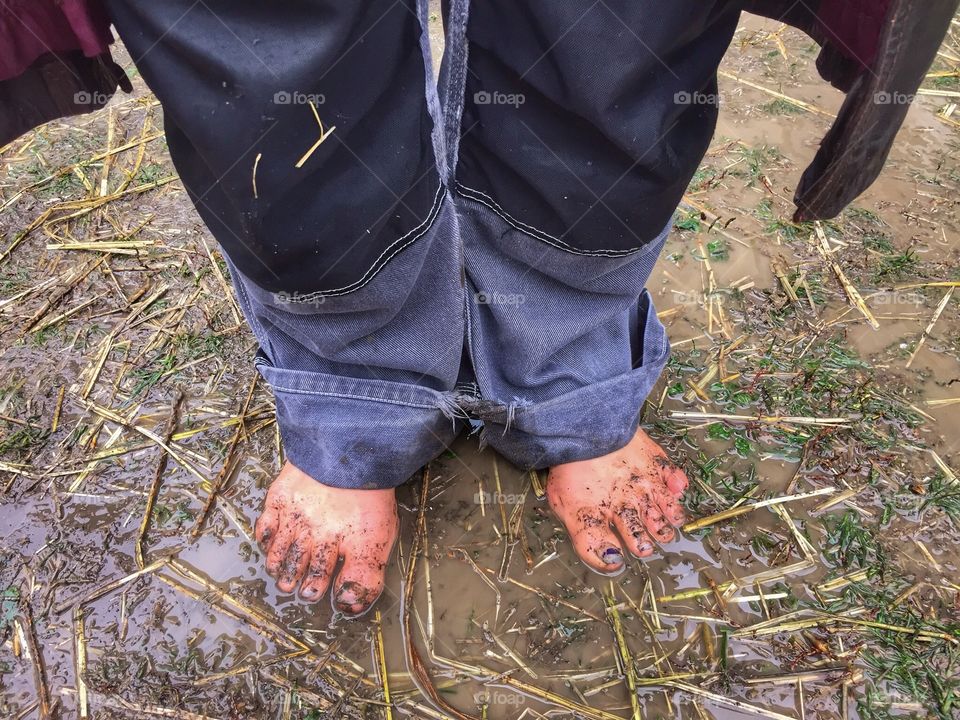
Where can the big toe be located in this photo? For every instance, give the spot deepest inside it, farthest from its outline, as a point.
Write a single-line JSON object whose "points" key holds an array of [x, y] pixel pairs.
{"points": [[594, 541], [361, 578], [355, 597]]}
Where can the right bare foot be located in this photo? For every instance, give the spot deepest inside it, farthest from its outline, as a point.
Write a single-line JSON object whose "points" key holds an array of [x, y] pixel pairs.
{"points": [[306, 526]]}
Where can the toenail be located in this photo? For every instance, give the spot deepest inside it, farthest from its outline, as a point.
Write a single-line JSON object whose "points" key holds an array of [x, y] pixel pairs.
{"points": [[346, 596], [645, 548], [612, 556], [349, 596], [350, 609]]}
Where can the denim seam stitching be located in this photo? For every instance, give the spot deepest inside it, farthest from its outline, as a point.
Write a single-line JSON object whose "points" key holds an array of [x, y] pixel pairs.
{"points": [[261, 362], [297, 391], [535, 233], [380, 262]]}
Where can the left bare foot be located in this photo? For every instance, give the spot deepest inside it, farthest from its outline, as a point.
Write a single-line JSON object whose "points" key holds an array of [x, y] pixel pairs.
{"points": [[636, 490]]}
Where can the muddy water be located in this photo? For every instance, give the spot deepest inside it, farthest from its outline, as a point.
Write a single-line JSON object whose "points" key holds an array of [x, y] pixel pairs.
{"points": [[558, 645], [157, 645]]}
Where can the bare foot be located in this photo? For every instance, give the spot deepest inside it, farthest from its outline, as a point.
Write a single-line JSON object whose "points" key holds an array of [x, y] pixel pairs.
{"points": [[306, 526], [636, 489]]}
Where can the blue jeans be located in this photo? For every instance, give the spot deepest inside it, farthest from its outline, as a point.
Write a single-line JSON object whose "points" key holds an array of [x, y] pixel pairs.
{"points": [[553, 352], [473, 253]]}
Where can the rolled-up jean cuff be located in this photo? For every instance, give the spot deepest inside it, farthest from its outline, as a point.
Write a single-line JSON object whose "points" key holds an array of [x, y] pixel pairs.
{"points": [[587, 423], [358, 433]]}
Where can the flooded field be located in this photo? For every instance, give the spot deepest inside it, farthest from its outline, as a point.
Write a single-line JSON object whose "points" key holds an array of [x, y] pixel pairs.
{"points": [[813, 398]]}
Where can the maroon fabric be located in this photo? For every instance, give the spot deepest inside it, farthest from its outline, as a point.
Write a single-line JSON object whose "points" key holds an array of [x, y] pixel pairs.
{"points": [[32, 28], [854, 27], [848, 31]]}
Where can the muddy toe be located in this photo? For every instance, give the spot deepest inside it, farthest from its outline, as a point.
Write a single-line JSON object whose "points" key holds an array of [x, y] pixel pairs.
{"points": [[294, 565], [320, 570], [594, 541], [629, 523]]}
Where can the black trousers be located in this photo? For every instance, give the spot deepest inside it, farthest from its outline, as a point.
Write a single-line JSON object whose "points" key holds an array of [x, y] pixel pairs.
{"points": [[581, 121]]}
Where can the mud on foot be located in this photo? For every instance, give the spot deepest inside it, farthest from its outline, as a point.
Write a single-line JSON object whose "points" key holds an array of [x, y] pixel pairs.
{"points": [[306, 526], [635, 490]]}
